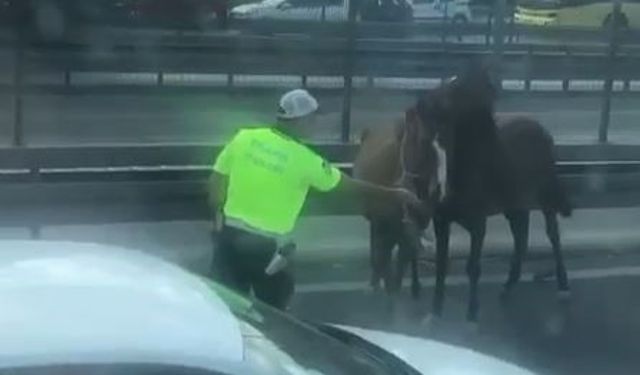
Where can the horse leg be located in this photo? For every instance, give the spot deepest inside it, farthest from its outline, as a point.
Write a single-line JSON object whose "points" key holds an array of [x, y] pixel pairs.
{"points": [[519, 224], [416, 287], [382, 243], [389, 241], [408, 253], [477, 229], [442, 229], [551, 221], [374, 251]]}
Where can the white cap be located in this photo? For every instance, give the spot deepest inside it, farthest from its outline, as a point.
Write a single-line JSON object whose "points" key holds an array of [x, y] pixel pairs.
{"points": [[297, 103]]}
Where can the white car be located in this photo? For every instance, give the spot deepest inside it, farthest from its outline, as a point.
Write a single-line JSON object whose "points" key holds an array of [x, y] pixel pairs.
{"points": [[73, 308], [317, 10], [458, 11]]}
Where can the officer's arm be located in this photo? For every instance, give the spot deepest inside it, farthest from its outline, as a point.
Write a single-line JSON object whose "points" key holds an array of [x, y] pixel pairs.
{"points": [[325, 177], [368, 191]]}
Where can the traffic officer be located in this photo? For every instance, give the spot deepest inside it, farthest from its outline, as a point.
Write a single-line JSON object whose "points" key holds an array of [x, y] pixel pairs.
{"points": [[258, 186]]}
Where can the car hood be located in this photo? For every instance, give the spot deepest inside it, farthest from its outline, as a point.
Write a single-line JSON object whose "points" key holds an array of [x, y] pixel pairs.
{"points": [[436, 358], [67, 302]]}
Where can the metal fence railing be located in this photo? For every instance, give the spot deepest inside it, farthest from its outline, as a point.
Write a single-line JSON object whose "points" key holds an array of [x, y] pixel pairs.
{"points": [[347, 50], [49, 185], [46, 186]]}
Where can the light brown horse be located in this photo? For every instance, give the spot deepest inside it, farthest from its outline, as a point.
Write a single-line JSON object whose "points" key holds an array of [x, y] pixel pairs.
{"points": [[405, 154]]}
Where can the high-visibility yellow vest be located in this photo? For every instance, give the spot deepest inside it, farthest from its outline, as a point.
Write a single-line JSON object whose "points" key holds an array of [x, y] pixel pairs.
{"points": [[269, 177]]}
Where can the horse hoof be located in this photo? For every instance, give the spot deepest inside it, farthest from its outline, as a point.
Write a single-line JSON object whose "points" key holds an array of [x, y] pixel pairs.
{"points": [[563, 295]]}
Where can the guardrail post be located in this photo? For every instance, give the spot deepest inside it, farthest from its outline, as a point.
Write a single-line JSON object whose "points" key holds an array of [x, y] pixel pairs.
{"points": [[487, 35], [605, 113], [35, 232], [528, 68], [348, 71], [444, 31], [512, 23], [18, 78], [160, 79], [568, 61]]}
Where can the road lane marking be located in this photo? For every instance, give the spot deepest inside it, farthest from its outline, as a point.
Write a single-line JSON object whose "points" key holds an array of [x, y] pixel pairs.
{"points": [[461, 280]]}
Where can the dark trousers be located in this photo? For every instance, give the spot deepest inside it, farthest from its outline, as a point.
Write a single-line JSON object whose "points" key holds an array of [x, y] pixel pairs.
{"points": [[239, 262]]}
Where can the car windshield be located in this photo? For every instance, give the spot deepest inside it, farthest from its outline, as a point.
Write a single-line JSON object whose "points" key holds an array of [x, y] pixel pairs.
{"points": [[459, 171], [277, 344]]}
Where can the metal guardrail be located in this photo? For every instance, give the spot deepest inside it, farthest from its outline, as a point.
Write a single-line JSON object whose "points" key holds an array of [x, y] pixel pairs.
{"points": [[44, 186], [186, 156]]}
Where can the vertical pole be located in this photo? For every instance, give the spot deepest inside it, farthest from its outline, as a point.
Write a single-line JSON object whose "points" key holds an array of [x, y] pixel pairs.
{"points": [[512, 26], [35, 232], [18, 72], [568, 61], [348, 71], [605, 113], [529, 68], [445, 23], [487, 35], [498, 40], [160, 79]]}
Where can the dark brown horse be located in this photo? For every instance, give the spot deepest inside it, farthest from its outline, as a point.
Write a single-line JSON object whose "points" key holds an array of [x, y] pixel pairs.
{"points": [[405, 154], [505, 166]]}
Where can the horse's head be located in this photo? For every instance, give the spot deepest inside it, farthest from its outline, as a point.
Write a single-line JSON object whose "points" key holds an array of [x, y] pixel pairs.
{"points": [[457, 114]]}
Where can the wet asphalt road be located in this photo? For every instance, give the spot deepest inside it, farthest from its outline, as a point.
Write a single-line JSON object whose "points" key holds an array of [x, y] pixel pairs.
{"points": [[596, 331]]}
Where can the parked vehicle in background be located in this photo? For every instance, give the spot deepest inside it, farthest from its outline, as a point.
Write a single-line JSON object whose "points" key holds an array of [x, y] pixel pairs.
{"points": [[458, 11], [582, 13], [198, 14], [317, 10], [386, 11], [324, 10], [53, 19]]}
